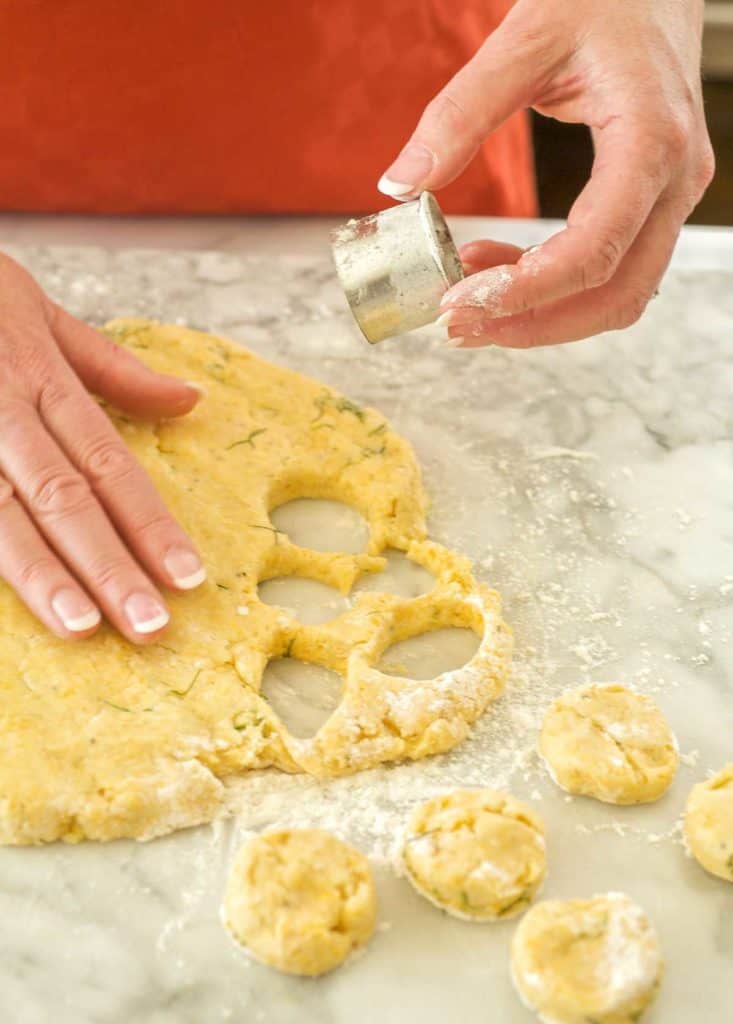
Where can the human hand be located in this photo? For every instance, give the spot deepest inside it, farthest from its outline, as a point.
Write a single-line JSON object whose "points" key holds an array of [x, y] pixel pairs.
{"points": [[629, 70], [82, 529]]}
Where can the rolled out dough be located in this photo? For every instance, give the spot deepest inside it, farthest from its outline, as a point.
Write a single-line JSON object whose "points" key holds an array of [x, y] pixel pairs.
{"points": [[102, 739]]}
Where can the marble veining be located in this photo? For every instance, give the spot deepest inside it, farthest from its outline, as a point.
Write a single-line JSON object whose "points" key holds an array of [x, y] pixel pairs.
{"points": [[593, 485]]}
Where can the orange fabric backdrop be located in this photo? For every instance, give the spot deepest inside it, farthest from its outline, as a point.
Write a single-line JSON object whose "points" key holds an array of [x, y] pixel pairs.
{"points": [[167, 106]]}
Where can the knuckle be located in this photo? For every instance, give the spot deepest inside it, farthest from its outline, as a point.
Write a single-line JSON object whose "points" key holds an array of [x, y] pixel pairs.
{"points": [[447, 111], [110, 360], [6, 494], [155, 523], [704, 171], [36, 571], [107, 569], [58, 492], [630, 311], [675, 129], [51, 392], [106, 459], [602, 263]]}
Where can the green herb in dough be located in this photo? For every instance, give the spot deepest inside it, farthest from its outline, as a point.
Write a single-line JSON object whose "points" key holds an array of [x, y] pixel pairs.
{"points": [[247, 440]]}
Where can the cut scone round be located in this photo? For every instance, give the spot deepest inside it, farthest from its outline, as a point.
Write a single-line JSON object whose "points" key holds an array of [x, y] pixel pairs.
{"points": [[300, 900], [475, 853], [709, 823], [608, 742], [575, 961]]}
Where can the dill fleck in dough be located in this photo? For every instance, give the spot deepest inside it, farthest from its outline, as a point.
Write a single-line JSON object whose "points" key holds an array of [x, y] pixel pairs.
{"points": [[709, 823], [300, 900], [583, 961], [610, 743], [103, 738], [475, 853]]}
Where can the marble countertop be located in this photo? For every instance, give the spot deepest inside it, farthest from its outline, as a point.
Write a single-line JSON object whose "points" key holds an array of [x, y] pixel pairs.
{"points": [[592, 484]]}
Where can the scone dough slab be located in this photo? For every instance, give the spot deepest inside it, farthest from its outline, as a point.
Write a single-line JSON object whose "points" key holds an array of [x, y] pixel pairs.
{"points": [[103, 739]]}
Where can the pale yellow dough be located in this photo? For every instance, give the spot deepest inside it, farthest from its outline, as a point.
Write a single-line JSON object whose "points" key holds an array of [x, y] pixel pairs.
{"points": [[608, 742], [300, 900], [709, 823], [475, 853], [102, 738], [591, 961]]}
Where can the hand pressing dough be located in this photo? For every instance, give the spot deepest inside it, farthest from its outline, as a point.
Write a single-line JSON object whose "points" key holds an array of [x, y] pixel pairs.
{"points": [[102, 739], [300, 900], [583, 961], [608, 742], [475, 853], [709, 823]]}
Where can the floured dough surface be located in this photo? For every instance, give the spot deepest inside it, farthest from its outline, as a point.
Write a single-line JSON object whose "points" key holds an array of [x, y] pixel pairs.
{"points": [[300, 900], [582, 961], [475, 853], [709, 823], [608, 742], [103, 739]]}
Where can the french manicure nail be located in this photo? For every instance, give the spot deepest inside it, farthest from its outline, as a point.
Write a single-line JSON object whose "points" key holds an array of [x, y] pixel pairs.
{"points": [[408, 172], [393, 189], [76, 613], [458, 315], [145, 614], [454, 342], [196, 387], [184, 568]]}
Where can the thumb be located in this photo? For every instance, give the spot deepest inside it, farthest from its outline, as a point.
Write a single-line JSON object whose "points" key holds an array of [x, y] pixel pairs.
{"points": [[113, 373], [499, 80]]}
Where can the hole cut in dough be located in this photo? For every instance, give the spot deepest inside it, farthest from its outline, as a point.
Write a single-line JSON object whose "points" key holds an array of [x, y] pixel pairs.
{"points": [[608, 742], [709, 823], [310, 602], [576, 961], [430, 654], [300, 900], [322, 525], [302, 695], [401, 577]]}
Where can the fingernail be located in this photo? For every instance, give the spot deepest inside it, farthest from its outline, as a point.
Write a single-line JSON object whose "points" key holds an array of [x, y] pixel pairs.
{"points": [[145, 614], [76, 612], [407, 173], [393, 189], [459, 315], [196, 387], [184, 568], [454, 342]]}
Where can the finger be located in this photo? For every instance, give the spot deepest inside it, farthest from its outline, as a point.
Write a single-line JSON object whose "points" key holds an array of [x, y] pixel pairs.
{"points": [[484, 253], [630, 172], [29, 566], [611, 307], [477, 256], [120, 483], [60, 502], [113, 373], [500, 79]]}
